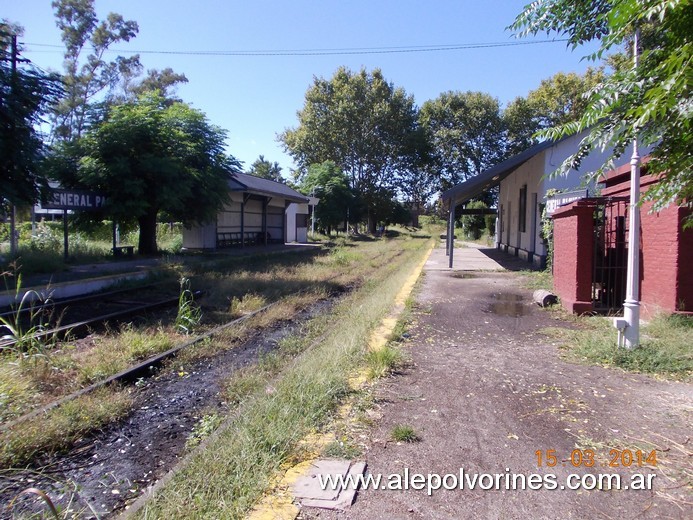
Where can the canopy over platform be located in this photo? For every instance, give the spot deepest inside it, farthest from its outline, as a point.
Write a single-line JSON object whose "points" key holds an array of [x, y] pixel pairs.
{"points": [[477, 185]]}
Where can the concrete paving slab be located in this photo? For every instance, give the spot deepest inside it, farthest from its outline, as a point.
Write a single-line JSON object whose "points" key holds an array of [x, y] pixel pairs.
{"points": [[467, 258], [345, 496], [308, 487]]}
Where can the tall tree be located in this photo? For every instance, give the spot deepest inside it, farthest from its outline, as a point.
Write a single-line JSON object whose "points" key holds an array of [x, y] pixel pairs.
{"points": [[467, 134], [651, 102], [26, 95], [558, 100], [88, 76], [152, 156], [265, 169], [362, 123]]}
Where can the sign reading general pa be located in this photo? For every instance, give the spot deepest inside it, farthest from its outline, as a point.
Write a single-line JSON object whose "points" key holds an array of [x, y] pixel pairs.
{"points": [[74, 200]]}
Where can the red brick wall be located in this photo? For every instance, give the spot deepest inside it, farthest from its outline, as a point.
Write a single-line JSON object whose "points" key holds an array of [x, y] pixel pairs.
{"points": [[666, 277], [573, 251]]}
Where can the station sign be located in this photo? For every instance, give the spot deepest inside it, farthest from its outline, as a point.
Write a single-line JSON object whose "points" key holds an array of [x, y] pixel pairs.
{"points": [[561, 199], [74, 200]]}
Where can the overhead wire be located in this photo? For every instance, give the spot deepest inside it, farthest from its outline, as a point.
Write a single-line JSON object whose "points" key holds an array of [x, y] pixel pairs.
{"points": [[323, 52]]}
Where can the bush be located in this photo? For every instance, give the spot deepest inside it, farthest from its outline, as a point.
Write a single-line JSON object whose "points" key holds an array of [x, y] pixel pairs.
{"points": [[474, 225]]}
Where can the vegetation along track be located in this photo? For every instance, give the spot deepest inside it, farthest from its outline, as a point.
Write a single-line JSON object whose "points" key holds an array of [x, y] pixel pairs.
{"points": [[52, 320], [177, 398]]}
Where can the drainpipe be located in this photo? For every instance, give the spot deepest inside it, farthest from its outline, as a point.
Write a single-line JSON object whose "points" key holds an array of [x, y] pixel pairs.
{"points": [[631, 306]]}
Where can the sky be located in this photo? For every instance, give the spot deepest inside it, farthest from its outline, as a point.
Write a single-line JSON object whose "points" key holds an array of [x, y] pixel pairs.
{"points": [[255, 95]]}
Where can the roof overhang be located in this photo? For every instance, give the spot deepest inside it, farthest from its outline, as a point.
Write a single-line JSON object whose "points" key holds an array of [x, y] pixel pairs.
{"points": [[492, 177], [265, 188]]}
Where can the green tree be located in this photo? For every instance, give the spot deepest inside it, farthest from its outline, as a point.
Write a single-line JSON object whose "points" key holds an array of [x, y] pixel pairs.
{"points": [[152, 156], [558, 100], [26, 96], [265, 169], [362, 123], [88, 76], [466, 131], [651, 102], [327, 182]]}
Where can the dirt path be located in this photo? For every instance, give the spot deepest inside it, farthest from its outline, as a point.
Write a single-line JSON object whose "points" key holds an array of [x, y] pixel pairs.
{"points": [[486, 390]]}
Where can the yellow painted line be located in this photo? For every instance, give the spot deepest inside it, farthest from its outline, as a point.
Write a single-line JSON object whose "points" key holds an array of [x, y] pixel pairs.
{"points": [[278, 504]]}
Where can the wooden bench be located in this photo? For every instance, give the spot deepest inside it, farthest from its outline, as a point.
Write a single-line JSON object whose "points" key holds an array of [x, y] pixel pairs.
{"points": [[228, 239], [123, 250]]}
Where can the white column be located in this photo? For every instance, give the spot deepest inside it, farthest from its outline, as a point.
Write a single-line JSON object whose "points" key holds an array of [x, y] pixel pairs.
{"points": [[631, 306]]}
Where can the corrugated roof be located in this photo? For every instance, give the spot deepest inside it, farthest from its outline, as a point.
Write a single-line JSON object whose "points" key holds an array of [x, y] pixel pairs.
{"points": [[260, 186], [492, 177]]}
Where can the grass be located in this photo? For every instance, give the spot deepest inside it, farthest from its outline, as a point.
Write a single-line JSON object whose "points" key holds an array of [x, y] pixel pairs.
{"points": [[62, 426], [665, 348], [341, 449], [383, 361], [239, 463], [404, 433], [538, 279], [249, 282]]}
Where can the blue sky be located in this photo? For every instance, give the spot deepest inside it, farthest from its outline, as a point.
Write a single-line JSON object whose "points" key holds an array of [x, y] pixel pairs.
{"points": [[256, 97]]}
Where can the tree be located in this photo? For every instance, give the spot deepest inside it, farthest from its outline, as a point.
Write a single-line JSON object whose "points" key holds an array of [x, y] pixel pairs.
{"points": [[362, 123], [152, 156], [265, 169], [558, 100], [26, 95], [651, 102], [85, 78], [331, 186], [165, 81], [467, 134]]}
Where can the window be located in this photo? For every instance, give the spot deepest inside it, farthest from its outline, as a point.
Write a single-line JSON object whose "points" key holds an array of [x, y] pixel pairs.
{"points": [[522, 221]]}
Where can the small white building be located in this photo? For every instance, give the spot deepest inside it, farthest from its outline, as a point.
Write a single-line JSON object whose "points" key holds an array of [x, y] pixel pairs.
{"points": [[524, 180], [259, 211]]}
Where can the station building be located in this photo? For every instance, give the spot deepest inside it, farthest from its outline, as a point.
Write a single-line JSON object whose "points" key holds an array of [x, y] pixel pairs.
{"points": [[259, 212]]}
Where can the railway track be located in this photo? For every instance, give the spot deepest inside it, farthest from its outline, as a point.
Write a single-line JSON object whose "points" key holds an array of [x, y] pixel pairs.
{"points": [[75, 317]]}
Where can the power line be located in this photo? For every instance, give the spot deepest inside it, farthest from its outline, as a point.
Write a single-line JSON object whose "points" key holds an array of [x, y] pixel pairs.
{"points": [[330, 52]]}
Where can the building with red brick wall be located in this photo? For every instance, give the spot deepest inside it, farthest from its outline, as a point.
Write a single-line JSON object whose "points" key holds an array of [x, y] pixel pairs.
{"points": [[590, 238]]}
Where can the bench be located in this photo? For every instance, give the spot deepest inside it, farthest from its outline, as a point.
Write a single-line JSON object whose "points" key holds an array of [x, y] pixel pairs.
{"points": [[123, 250]]}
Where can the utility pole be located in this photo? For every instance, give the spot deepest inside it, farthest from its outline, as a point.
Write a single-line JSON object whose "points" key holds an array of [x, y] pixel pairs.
{"points": [[13, 211], [631, 306]]}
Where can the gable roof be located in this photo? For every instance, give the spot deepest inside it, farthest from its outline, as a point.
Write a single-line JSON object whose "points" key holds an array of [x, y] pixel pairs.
{"points": [[265, 187], [470, 188]]}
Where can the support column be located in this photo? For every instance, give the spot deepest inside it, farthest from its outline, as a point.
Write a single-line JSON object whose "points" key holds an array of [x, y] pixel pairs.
{"points": [[631, 306], [451, 239], [243, 222]]}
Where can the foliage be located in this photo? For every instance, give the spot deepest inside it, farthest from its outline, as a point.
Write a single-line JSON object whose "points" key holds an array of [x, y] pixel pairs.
{"points": [[665, 348], [331, 186], [189, 315], [87, 77], [475, 225], [265, 169], [651, 101], [404, 433], [467, 134], [383, 361], [26, 96], [558, 100], [151, 156], [27, 325], [360, 122]]}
